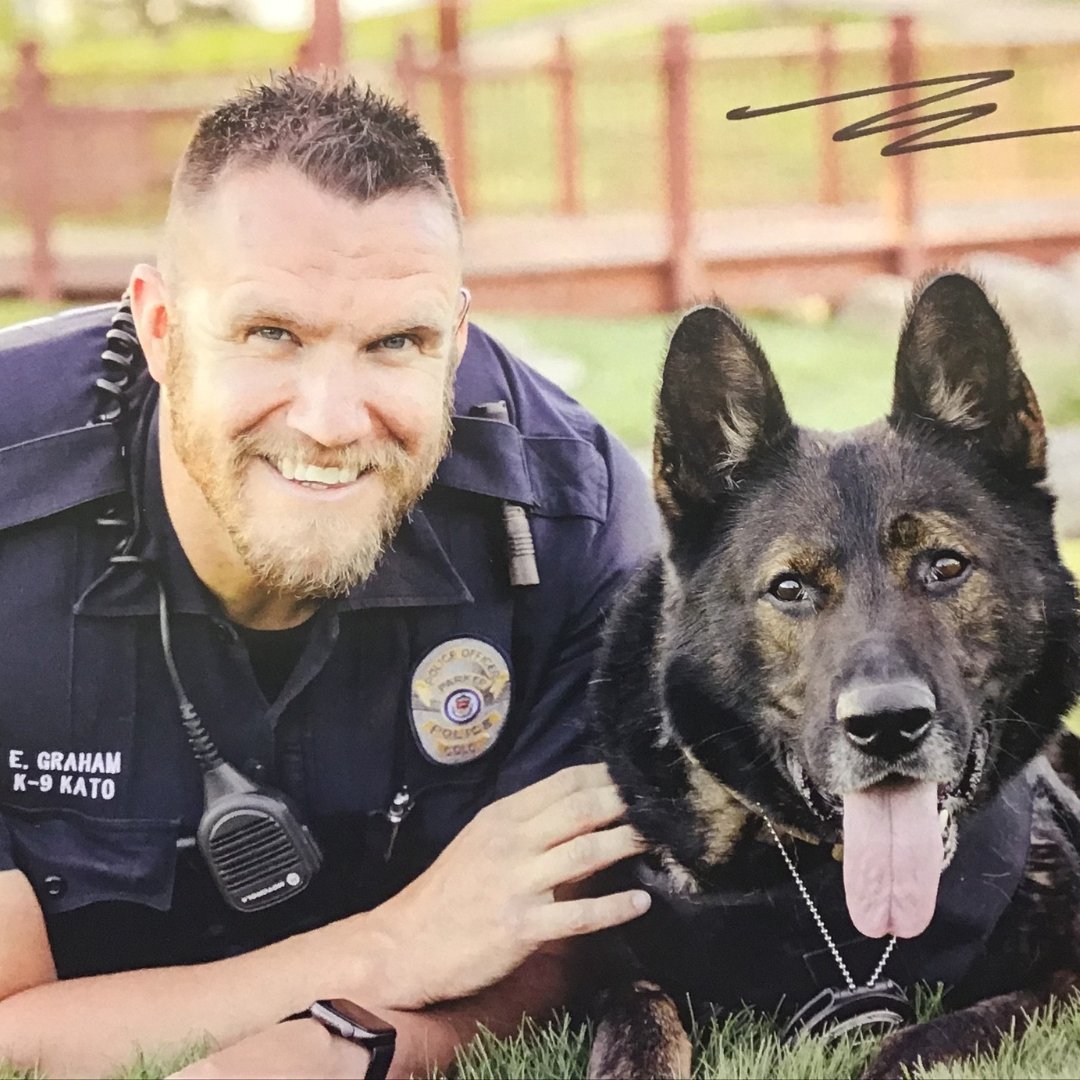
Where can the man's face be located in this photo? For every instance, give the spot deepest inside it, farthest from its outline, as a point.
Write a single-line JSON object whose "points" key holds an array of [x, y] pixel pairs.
{"points": [[311, 356]]}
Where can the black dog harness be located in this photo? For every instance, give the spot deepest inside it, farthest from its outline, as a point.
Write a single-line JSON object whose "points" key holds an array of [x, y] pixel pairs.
{"points": [[761, 947]]}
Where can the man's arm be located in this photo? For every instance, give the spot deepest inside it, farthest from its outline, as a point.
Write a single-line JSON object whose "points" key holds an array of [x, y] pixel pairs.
{"points": [[427, 1039], [506, 864], [87, 1026]]}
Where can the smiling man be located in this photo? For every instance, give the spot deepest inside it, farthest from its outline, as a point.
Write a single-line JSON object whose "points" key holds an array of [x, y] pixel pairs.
{"points": [[303, 578], [308, 375]]}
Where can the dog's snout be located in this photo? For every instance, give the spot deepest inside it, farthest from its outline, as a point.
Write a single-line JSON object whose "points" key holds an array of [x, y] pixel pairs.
{"points": [[886, 719]]}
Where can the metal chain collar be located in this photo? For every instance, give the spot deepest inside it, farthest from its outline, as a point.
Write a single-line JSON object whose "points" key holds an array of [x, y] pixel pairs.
{"points": [[820, 923]]}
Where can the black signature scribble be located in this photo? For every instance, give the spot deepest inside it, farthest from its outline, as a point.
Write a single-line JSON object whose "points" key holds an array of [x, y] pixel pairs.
{"points": [[917, 140]]}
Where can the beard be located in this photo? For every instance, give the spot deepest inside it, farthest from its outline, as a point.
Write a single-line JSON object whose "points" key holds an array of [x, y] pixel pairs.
{"points": [[302, 550]]}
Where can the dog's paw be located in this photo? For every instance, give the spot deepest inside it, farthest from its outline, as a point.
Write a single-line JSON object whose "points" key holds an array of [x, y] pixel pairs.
{"points": [[928, 1043], [638, 1034], [900, 1051]]}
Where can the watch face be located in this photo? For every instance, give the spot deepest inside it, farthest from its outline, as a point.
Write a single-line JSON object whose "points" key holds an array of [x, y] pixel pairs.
{"points": [[366, 1023]]}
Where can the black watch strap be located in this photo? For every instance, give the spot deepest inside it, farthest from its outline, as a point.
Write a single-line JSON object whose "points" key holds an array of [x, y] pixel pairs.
{"points": [[379, 1066], [350, 1021]]}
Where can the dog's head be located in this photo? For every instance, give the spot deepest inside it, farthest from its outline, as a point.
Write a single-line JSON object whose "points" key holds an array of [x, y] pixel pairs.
{"points": [[864, 633]]}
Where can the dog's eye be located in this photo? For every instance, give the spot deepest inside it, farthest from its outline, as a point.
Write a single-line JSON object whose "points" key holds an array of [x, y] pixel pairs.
{"points": [[788, 587], [947, 566]]}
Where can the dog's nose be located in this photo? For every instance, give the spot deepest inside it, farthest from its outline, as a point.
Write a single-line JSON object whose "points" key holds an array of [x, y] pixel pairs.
{"points": [[886, 719]]}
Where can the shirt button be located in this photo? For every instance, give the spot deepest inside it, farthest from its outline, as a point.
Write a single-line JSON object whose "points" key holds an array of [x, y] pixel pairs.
{"points": [[254, 768], [55, 886], [225, 633]]}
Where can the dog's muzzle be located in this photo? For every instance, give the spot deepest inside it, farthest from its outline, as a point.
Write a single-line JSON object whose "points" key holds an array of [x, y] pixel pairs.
{"points": [[952, 798]]}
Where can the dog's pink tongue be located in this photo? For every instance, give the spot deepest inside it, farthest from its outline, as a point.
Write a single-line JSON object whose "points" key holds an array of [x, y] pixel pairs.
{"points": [[893, 856]]}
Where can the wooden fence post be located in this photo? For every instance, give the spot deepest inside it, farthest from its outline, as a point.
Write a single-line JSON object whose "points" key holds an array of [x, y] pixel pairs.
{"points": [[683, 269], [828, 116], [324, 46], [33, 165], [452, 90], [905, 232], [407, 69], [566, 133]]}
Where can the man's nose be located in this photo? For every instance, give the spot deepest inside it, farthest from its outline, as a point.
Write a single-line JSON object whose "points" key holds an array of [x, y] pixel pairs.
{"points": [[886, 718], [331, 401]]}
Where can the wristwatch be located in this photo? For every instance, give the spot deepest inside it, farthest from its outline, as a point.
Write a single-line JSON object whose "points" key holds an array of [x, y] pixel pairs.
{"points": [[350, 1021]]}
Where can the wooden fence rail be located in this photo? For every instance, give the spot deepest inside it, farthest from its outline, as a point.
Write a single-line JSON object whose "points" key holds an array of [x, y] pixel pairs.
{"points": [[675, 70], [56, 151]]}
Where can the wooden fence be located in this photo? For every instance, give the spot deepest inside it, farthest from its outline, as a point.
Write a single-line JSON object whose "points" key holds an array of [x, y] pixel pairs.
{"points": [[670, 154], [453, 77]]}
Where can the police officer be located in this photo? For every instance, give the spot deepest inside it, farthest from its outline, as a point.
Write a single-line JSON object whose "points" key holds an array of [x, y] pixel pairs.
{"points": [[282, 717]]}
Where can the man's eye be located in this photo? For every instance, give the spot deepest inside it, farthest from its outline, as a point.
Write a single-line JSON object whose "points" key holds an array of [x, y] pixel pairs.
{"points": [[395, 342], [270, 333]]}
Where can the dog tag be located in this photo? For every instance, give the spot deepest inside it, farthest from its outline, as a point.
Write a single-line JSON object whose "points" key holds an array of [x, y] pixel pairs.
{"points": [[873, 1010]]}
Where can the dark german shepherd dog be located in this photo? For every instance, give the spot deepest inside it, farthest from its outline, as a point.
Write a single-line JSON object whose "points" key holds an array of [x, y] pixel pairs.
{"points": [[825, 704]]}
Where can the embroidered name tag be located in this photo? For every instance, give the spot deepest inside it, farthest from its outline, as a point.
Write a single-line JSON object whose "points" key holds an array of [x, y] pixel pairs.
{"points": [[84, 774]]}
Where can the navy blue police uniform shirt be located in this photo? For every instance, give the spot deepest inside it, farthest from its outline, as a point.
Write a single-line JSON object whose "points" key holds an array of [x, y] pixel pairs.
{"points": [[435, 674]]}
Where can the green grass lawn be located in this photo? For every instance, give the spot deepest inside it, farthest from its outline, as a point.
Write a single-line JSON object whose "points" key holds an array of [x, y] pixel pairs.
{"points": [[745, 1047], [832, 376], [1070, 549]]}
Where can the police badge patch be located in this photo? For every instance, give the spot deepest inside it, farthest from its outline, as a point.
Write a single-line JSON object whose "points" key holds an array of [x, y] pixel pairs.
{"points": [[459, 700]]}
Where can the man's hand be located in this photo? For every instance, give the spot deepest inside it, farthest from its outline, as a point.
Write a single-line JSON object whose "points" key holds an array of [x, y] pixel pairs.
{"points": [[488, 902], [294, 1050]]}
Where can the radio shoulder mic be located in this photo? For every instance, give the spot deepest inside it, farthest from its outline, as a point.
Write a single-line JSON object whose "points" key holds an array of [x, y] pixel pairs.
{"points": [[256, 849]]}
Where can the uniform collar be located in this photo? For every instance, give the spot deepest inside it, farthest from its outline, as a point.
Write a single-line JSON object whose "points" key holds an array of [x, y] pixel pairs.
{"points": [[487, 457], [414, 572]]}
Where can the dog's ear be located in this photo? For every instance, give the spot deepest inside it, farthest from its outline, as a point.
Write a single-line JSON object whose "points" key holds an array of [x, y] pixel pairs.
{"points": [[719, 406], [957, 369]]}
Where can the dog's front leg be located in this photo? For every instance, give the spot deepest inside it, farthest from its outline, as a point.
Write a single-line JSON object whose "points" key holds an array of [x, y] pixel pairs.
{"points": [[638, 1034], [977, 1029]]}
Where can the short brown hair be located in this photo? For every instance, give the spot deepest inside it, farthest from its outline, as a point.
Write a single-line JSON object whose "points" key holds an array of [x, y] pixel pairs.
{"points": [[347, 139]]}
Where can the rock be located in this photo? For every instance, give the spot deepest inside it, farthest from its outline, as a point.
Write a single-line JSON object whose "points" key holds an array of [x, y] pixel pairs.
{"points": [[1070, 267], [1038, 302], [878, 302]]}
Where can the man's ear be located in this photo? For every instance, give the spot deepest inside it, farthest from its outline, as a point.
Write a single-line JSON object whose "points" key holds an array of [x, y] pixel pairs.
{"points": [[719, 408], [149, 309], [461, 333], [957, 370]]}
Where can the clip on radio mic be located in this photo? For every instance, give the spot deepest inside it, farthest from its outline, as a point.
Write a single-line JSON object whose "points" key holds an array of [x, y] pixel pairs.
{"points": [[521, 551]]}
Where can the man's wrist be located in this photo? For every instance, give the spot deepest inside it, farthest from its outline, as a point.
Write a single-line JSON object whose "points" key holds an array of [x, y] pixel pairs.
{"points": [[300, 1047], [386, 966], [350, 1022], [331, 1055], [357, 958]]}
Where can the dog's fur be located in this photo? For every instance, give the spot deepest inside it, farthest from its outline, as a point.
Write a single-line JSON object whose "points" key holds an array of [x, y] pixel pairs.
{"points": [[717, 689]]}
